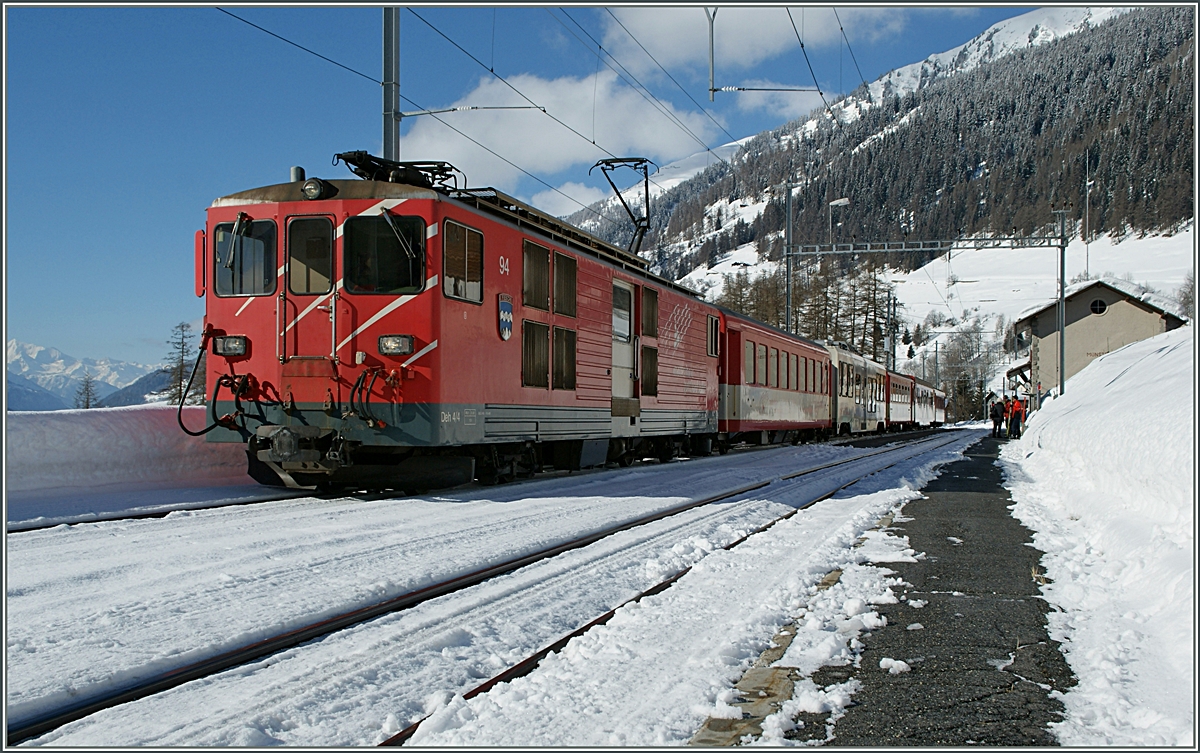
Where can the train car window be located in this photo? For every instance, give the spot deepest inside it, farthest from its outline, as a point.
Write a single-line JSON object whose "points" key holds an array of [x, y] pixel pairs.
{"points": [[773, 368], [384, 255], [536, 293], [714, 336], [244, 264], [622, 314], [783, 369], [310, 255], [793, 373], [748, 363], [462, 263], [563, 377], [649, 370], [564, 285], [760, 366], [535, 354], [649, 312]]}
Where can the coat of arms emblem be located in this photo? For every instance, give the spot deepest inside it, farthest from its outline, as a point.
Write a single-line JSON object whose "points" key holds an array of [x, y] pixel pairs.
{"points": [[505, 313]]}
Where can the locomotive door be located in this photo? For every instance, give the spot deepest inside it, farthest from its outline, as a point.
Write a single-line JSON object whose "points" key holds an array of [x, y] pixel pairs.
{"points": [[309, 316], [624, 354]]}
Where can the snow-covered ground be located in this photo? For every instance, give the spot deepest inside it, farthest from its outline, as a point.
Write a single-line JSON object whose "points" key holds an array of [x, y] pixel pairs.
{"points": [[1104, 476]]}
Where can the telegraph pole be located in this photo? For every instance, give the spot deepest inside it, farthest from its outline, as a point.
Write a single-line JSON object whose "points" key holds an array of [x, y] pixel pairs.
{"points": [[787, 254], [711, 18], [1062, 298]]}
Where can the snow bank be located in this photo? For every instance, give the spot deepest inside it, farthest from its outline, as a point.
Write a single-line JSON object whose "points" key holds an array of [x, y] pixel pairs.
{"points": [[1104, 475], [118, 448]]}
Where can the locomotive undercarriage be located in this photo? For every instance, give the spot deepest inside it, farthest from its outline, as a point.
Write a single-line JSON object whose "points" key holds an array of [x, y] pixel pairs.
{"points": [[314, 447]]}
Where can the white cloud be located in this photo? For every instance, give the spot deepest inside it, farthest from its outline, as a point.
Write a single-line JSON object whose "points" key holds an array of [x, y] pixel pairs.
{"points": [[553, 202], [599, 108], [743, 37]]}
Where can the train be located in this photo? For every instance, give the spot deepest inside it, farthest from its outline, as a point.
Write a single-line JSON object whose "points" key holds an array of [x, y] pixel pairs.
{"points": [[395, 330]]}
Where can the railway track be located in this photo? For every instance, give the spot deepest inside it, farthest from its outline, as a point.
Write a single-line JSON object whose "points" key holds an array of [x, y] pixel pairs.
{"points": [[27, 527], [249, 653]]}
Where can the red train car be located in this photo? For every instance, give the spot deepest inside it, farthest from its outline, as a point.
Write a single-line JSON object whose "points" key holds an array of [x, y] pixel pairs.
{"points": [[402, 331], [901, 405], [774, 386]]}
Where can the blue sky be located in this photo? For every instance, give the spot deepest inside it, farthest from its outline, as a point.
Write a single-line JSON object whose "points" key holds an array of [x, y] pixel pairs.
{"points": [[122, 124]]}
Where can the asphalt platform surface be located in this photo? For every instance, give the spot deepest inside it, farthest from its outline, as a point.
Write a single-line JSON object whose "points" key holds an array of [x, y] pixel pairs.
{"points": [[982, 665]]}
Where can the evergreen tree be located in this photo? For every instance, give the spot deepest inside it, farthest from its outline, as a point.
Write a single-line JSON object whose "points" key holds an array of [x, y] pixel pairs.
{"points": [[85, 396], [177, 361]]}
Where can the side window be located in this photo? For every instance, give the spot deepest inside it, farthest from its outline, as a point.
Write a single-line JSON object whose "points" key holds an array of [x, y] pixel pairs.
{"points": [[462, 263], [783, 369], [649, 312], [760, 367], [773, 368], [310, 255], [384, 255], [649, 371], [622, 323], [564, 359], [748, 363], [564, 285], [535, 354], [244, 264], [714, 336], [536, 293]]}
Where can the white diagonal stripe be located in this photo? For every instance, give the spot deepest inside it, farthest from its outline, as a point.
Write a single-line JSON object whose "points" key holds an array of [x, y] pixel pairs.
{"points": [[313, 305], [430, 284], [420, 353], [373, 210]]}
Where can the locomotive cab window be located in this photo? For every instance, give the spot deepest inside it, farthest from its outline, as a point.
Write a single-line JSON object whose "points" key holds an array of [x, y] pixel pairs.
{"points": [[714, 336], [564, 359], [244, 257], [310, 255], [384, 255], [462, 263]]}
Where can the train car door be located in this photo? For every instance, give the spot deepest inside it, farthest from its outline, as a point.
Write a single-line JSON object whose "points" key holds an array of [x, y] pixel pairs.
{"points": [[625, 402], [307, 329]]}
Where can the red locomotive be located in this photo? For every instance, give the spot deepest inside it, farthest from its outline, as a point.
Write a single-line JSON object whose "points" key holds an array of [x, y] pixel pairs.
{"points": [[401, 332]]}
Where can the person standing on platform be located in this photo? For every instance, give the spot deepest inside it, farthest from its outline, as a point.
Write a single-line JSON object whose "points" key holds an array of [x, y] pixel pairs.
{"points": [[1007, 417], [997, 414], [1018, 418]]}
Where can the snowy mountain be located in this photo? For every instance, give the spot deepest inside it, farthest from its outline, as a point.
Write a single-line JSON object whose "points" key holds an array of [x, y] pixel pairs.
{"points": [[61, 374], [23, 394]]}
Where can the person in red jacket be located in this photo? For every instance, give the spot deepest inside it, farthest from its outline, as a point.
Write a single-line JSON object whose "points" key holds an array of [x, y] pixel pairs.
{"points": [[1018, 418], [1007, 417]]}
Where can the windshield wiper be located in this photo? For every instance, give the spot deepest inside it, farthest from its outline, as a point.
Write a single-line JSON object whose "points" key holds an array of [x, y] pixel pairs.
{"points": [[404, 244], [241, 228]]}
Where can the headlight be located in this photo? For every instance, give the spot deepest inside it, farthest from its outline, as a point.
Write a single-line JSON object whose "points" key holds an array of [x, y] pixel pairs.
{"points": [[313, 188], [395, 345], [230, 346]]}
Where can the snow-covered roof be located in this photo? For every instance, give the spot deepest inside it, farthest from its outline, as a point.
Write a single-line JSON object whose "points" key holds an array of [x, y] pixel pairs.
{"points": [[1131, 290]]}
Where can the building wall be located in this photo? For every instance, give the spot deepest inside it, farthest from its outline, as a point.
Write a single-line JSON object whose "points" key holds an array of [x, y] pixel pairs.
{"points": [[1089, 335]]}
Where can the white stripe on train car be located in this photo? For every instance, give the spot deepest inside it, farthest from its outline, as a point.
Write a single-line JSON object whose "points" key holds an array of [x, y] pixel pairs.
{"points": [[313, 305], [430, 284], [420, 353], [373, 211]]}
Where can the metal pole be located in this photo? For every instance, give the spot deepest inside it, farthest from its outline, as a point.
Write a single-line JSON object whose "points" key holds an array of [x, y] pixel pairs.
{"points": [[711, 18], [1062, 301], [391, 83], [787, 254]]}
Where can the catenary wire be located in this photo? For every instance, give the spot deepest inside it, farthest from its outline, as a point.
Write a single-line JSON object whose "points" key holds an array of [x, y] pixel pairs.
{"points": [[810, 70], [419, 107], [848, 47], [664, 70], [647, 95]]}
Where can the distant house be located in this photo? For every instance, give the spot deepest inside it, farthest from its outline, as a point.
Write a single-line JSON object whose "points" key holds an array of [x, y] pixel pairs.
{"points": [[1102, 316]]}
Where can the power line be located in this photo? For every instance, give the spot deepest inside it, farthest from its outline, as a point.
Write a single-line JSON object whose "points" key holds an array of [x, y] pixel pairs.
{"points": [[664, 70], [848, 47], [419, 107], [302, 47], [810, 69]]}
